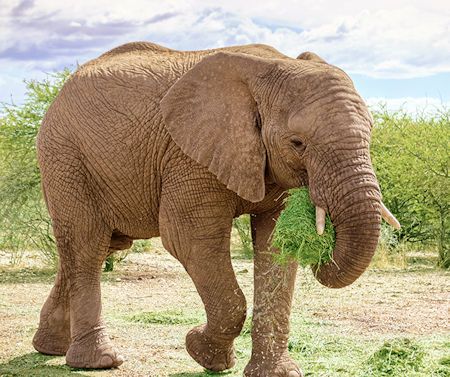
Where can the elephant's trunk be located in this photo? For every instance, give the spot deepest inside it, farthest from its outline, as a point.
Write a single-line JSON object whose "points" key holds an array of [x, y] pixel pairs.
{"points": [[356, 216]]}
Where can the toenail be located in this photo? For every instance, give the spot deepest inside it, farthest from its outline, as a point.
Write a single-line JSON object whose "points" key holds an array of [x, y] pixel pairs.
{"points": [[106, 361]]}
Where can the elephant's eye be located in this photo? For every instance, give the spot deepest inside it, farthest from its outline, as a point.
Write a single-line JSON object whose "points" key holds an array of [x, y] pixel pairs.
{"points": [[296, 142]]}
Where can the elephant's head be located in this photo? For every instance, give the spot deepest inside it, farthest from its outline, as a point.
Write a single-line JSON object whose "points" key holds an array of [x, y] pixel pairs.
{"points": [[296, 122]]}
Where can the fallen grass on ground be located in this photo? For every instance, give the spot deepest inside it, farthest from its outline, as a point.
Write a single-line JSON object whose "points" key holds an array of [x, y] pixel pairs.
{"points": [[166, 317], [396, 357], [389, 323]]}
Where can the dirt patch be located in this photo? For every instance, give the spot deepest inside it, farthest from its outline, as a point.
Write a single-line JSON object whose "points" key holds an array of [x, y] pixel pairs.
{"points": [[378, 306], [392, 302]]}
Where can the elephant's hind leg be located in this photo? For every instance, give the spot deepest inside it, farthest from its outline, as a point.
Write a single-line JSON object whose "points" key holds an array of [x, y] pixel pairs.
{"points": [[53, 335], [200, 239], [84, 247], [83, 240]]}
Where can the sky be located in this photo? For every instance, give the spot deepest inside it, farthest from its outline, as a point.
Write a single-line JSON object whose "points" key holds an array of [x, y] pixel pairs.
{"points": [[397, 52]]}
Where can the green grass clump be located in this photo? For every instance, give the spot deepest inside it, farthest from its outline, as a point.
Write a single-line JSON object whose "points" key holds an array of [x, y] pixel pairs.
{"points": [[295, 233], [398, 357], [168, 317]]}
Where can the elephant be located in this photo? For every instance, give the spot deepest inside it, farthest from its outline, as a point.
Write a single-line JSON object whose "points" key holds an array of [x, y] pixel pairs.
{"points": [[147, 141]]}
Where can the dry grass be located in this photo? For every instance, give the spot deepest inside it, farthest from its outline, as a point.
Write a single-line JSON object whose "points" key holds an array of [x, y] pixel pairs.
{"points": [[334, 332]]}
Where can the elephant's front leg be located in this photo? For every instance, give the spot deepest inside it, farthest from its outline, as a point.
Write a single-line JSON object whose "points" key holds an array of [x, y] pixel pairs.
{"points": [[198, 235], [274, 286]]}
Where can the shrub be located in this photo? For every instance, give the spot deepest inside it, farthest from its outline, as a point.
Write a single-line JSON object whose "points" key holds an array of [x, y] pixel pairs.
{"points": [[242, 226], [24, 222], [411, 158]]}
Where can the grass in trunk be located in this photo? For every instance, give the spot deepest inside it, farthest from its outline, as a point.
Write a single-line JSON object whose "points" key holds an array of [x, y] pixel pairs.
{"points": [[295, 233]]}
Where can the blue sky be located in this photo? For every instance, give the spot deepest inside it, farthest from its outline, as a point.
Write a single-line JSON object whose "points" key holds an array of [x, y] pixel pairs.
{"points": [[397, 52]]}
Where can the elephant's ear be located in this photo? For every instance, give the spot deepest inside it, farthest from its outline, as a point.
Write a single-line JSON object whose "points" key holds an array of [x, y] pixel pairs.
{"points": [[211, 113], [308, 55]]}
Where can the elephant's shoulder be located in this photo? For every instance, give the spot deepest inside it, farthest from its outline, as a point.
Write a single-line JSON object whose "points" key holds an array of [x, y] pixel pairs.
{"points": [[136, 47]]}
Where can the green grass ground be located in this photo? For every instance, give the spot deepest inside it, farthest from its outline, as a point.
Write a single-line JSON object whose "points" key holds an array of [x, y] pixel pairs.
{"points": [[389, 323]]}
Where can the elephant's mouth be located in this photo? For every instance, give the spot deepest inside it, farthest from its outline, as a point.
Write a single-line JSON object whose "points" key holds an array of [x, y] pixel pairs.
{"points": [[357, 233], [385, 214]]}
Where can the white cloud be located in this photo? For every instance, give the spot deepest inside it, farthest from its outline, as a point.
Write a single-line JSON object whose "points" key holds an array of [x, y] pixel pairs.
{"points": [[380, 39], [384, 38], [399, 43]]}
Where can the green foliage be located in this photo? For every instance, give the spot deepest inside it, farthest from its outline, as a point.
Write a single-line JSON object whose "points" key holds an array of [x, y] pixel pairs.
{"points": [[443, 368], [390, 251], [24, 222], [411, 157], [242, 226], [398, 357], [295, 233], [141, 246]]}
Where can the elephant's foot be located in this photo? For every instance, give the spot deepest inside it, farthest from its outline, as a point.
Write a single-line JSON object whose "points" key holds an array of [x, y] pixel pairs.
{"points": [[263, 367], [53, 334], [52, 340], [209, 353], [93, 350]]}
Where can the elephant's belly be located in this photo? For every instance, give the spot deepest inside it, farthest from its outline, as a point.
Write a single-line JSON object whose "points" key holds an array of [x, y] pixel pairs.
{"points": [[135, 218], [138, 230]]}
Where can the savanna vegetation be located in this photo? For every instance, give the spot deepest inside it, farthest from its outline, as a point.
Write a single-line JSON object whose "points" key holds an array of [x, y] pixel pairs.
{"points": [[410, 155], [380, 326]]}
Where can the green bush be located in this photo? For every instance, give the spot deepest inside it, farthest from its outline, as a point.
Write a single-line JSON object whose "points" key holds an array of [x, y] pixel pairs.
{"points": [[24, 222], [242, 226], [411, 157]]}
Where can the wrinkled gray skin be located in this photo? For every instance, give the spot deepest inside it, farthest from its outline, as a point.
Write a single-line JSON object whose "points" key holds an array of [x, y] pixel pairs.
{"points": [[147, 141]]}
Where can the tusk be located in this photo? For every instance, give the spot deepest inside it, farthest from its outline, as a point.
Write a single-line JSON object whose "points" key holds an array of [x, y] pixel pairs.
{"points": [[389, 217], [320, 220]]}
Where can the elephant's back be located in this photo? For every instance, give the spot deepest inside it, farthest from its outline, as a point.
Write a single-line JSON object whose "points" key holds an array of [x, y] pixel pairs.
{"points": [[136, 47], [256, 49], [159, 61]]}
